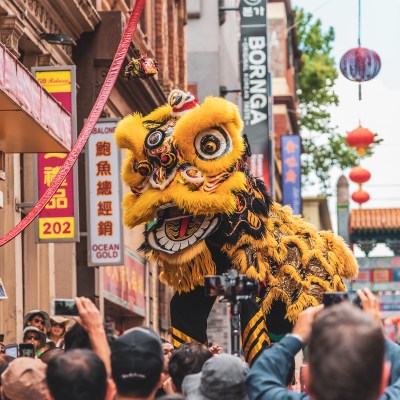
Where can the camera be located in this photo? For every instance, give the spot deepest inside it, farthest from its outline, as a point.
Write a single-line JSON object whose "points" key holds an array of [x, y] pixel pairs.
{"points": [[230, 285], [332, 298]]}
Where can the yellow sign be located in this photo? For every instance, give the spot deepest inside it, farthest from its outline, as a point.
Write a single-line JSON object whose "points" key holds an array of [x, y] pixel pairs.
{"points": [[55, 81], [61, 228]]}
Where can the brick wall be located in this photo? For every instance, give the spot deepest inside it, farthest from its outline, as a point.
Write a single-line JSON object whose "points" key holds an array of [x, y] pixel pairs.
{"points": [[169, 20]]}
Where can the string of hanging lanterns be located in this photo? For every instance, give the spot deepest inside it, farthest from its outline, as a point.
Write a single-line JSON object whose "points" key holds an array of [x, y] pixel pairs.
{"points": [[360, 175], [360, 65]]}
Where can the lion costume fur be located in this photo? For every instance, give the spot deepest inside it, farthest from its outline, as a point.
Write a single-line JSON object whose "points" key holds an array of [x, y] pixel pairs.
{"points": [[186, 168]]}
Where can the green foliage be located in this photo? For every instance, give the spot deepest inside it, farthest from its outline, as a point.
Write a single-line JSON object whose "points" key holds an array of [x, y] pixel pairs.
{"points": [[323, 147]]}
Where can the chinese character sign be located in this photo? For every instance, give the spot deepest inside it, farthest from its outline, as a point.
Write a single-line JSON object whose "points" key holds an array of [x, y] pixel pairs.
{"points": [[291, 172], [255, 84], [104, 196], [58, 221]]}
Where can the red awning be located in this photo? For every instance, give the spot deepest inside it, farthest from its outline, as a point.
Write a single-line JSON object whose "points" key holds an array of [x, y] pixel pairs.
{"points": [[31, 120]]}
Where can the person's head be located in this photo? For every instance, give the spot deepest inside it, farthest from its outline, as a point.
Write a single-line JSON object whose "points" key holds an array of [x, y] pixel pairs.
{"points": [[136, 362], [346, 356], [77, 338], [58, 327], [49, 354], [38, 319], [167, 350], [47, 346], [189, 358], [222, 377], [24, 378], [77, 375], [35, 336]]}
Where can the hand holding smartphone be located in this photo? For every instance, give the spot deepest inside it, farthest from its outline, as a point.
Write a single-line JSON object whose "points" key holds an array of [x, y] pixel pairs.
{"points": [[12, 350], [332, 298], [26, 350], [65, 307]]}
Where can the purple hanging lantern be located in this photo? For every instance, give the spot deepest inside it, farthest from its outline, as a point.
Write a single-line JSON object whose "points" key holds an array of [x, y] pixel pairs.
{"points": [[360, 64]]}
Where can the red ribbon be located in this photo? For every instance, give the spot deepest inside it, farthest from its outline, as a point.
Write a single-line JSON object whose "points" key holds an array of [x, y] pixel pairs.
{"points": [[89, 125]]}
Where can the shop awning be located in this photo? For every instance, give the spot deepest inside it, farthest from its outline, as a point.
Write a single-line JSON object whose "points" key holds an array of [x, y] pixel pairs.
{"points": [[31, 120]]}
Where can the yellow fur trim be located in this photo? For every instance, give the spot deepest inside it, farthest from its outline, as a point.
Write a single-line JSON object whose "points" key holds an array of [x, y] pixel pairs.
{"points": [[301, 304], [196, 203], [297, 248], [214, 111], [160, 114], [274, 294], [130, 177], [185, 271], [130, 134]]}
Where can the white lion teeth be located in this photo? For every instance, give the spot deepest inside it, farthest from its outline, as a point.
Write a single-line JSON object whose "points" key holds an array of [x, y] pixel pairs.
{"points": [[163, 240], [176, 246], [169, 245]]}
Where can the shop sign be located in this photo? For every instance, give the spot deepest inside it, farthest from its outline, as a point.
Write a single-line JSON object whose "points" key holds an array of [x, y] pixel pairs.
{"points": [[105, 232], [59, 220]]}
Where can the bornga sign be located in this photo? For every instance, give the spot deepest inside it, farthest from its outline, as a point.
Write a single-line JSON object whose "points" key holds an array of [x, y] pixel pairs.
{"points": [[258, 79]]}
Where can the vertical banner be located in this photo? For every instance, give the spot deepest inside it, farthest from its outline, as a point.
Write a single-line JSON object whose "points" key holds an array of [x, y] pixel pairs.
{"points": [[255, 82], [291, 172], [105, 233], [59, 220]]}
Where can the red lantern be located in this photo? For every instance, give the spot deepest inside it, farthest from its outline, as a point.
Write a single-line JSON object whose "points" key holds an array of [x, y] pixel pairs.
{"points": [[360, 64], [360, 196], [360, 138], [360, 175]]}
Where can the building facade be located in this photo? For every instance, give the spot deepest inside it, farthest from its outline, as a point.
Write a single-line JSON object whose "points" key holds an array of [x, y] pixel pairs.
{"points": [[35, 273]]}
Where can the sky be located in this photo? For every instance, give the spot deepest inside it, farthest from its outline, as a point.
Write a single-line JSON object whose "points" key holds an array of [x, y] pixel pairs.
{"points": [[379, 109]]}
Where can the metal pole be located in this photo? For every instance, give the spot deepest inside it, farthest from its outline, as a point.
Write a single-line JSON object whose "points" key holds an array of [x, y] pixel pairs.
{"points": [[235, 327]]}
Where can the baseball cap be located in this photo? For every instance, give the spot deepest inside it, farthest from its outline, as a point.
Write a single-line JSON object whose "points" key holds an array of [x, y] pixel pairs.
{"points": [[222, 377], [25, 378], [41, 334], [136, 357]]}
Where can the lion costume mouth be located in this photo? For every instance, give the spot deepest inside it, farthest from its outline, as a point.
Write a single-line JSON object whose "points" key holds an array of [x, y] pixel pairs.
{"points": [[175, 230]]}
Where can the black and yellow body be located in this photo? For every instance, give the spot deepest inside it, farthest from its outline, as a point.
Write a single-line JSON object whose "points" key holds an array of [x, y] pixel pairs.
{"points": [[186, 168]]}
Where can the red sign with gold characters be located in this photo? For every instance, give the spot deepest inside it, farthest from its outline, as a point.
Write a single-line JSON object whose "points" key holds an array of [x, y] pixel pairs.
{"points": [[125, 285], [58, 221]]}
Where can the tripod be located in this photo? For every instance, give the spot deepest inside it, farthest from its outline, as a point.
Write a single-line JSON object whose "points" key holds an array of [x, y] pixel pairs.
{"points": [[234, 300]]}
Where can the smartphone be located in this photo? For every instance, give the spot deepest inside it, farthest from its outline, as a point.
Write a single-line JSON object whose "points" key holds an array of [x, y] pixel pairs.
{"points": [[65, 307], [12, 350], [1, 337], [26, 350], [331, 298]]}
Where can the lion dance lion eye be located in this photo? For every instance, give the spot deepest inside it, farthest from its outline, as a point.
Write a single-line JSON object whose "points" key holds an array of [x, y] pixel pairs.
{"points": [[212, 143], [144, 168]]}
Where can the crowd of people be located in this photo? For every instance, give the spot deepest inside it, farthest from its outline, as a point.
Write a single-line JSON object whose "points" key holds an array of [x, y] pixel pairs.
{"points": [[348, 358]]}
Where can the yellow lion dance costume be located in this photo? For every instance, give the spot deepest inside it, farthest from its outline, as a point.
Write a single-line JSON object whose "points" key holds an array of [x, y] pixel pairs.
{"points": [[186, 168]]}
